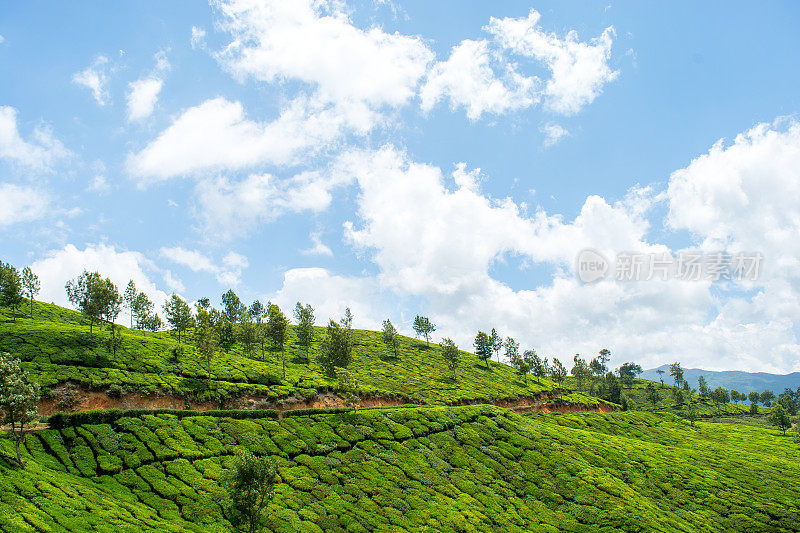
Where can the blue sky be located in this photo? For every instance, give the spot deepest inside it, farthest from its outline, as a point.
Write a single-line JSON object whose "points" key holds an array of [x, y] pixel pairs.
{"points": [[330, 153]]}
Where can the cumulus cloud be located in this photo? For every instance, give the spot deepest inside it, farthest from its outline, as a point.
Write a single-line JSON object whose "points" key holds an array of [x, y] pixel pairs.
{"points": [[38, 153], [482, 76], [95, 77], [579, 70], [229, 208], [59, 266], [22, 204], [458, 234], [216, 135], [468, 80], [316, 43], [331, 294], [229, 273], [99, 184]]}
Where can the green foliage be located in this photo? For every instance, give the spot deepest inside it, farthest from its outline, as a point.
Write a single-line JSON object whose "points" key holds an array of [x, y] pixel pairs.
{"points": [[389, 336], [779, 417], [337, 348], [95, 297], [304, 314], [10, 288], [250, 487], [55, 348], [18, 397], [424, 327], [483, 347], [276, 330], [676, 372], [557, 371], [178, 314], [30, 285], [451, 355]]}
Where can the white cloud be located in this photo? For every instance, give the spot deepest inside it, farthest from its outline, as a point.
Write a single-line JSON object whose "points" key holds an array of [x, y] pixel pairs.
{"points": [[2, 39], [458, 235], [39, 152], [59, 266], [315, 42], [480, 75], [330, 295], [21, 204], [198, 39], [553, 133], [216, 135], [142, 97], [229, 273], [229, 208], [579, 70], [318, 247], [467, 79], [143, 93], [94, 77]]}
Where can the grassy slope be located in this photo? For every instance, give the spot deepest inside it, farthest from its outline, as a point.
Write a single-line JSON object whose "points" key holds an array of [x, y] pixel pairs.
{"points": [[474, 468], [55, 347]]}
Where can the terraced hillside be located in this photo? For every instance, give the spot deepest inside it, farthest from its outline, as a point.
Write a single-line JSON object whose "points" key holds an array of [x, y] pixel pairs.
{"points": [[471, 468], [56, 348]]}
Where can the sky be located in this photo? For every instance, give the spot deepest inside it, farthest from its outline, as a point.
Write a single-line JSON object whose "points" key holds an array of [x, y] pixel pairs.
{"points": [[450, 159]]}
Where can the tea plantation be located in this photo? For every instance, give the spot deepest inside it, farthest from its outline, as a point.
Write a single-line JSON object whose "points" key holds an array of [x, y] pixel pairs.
{"points": [[470, 468], [55, 347]]}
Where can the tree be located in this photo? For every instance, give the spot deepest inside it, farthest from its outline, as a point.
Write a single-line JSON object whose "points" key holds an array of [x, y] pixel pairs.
{"points": [[788, 403], [129, 298], [30, 282], [232, 306], [766, 398], [92, 296], [348, 387], [557, 371], [691, 411], [676, 372], [720, 396], [144, 310], [111, 301], [779, 417], [10, 288], [512, 356], [538, 365], [604, 357], [754, 397], [276, 331], [580, 370], [423, 326], [205, 337], [609, 388], [18, 398], [628, 372], [677, 395], [115, 339], [178, 314], [204, 303], [337, 347], [389, 336], [249, 333], [451, 355], [249, 488], [651, 393], [497, 343], [304, 314], [597, 368], [257, 310], [483, 347], [735, 397], [660, 373]]}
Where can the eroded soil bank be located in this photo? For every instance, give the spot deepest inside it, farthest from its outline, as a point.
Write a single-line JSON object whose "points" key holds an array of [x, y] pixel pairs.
{"points": [[85, 400]]}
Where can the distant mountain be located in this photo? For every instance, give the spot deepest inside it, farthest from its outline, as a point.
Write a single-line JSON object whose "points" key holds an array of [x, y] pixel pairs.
{"points": [[732, 379]]}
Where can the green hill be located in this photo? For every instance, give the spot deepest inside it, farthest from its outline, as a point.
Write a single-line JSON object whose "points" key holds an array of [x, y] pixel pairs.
{"points": [[471, 468], [56, 348]]}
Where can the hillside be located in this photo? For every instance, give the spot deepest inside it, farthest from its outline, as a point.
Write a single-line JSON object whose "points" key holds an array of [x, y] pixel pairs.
{"points": [[56, 348], [733, 379], [472, 468]]}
